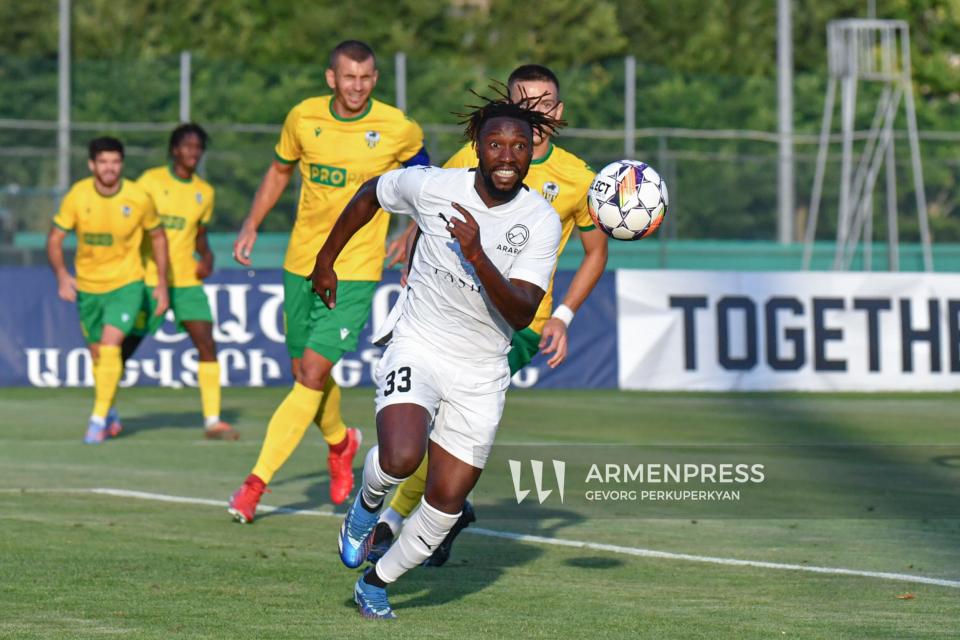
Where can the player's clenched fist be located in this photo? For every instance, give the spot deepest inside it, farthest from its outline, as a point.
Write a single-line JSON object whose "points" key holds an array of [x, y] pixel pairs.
{"points": [[324, 281], [467, 233]]}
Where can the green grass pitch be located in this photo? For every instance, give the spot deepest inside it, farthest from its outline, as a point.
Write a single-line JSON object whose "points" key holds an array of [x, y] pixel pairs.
{"points": [[75, 564]]}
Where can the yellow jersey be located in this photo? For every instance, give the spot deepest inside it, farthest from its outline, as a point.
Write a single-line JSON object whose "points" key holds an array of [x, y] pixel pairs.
{"points": [[336, 156], [109, 231], [563, 180], [183, 206]]}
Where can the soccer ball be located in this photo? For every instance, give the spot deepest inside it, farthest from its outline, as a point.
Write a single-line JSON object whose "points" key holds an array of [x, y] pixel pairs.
{"points": [[627, 200]]}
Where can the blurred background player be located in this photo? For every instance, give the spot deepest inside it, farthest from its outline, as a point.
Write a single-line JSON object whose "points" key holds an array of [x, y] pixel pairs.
{"points": [[108, 215], [184, 202], [563, 179], [443, 378], [339, 142]]}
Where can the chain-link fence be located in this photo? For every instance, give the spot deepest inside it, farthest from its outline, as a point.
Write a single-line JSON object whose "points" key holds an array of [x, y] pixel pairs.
{"points": [[710, 137]]}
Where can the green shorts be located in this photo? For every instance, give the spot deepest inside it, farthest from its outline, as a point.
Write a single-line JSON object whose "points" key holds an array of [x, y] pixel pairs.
{"points": [[330, 332], [524, 345], [118, 308], [188, 303]]}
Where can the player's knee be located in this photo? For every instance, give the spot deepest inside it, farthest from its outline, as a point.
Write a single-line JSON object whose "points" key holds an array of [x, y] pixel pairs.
{"points": [[206, 349], [401, 460], [313, 376], [444, 497]]}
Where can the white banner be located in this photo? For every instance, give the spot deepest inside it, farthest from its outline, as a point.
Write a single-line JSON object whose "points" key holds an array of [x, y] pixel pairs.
{"points": [[807, 331]]}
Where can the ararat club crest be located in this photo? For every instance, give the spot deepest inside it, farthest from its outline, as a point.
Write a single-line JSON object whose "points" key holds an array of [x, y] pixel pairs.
{"points": [[372, 138], [550, 191], [518, 235]]}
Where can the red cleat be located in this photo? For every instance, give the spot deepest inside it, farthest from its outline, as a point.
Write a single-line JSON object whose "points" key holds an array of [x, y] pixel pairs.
{"points": [[243, 503], [341, 468], [220, 431], [114, 427]]}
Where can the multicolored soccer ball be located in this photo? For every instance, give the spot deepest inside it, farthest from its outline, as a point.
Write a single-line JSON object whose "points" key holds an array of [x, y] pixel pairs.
{"points": [[628, 200]]}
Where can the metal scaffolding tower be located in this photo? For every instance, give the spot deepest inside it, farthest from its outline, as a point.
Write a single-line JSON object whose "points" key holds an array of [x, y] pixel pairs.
{"points": [[872, 51]]}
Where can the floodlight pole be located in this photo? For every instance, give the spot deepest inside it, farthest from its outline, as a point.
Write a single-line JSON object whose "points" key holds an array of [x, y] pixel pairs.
{"points": [[184, 86], [63, 99], [400, 69], [914, 136], [785, 182]]}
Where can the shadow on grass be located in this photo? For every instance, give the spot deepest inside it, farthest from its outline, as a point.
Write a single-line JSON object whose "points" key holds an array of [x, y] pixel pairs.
{"points": [[133, 425], [316, 495], [476, 563], [594, 563]]}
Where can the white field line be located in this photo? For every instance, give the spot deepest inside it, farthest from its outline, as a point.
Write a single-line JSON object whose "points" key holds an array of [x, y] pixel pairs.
{"points": [[522, 537]]}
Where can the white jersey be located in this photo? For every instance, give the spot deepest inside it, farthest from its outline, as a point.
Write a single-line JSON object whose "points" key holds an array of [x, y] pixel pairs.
{"points": [[444, 303]]}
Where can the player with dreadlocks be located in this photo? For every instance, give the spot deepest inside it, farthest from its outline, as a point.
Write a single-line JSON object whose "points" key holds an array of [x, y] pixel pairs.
{"points": [[449, 333]]}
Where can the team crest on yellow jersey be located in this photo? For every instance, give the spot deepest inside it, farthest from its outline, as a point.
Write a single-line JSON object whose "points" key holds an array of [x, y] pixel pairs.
{"points": [[372, 138], [550, 191], [125, 210], [199, 198]]}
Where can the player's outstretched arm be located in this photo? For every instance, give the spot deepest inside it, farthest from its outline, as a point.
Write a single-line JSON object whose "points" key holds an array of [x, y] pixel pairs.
{"points": [[554, 336], [158, 242], [358, 212], [275, 180], [590, 269], [66, 283], [516, 300]]}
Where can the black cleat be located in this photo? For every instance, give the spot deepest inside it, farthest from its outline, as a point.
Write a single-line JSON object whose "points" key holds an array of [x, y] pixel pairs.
{"points": [[442, 553], [382, 539]]}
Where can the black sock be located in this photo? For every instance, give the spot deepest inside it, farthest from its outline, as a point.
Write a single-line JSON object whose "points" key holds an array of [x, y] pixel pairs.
{"points": [[373, 579], [374, 509], [382, 532]]}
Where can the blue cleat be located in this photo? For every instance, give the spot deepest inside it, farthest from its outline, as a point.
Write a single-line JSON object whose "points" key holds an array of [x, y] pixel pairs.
{"points": [[96, 432], [356, 534], [380, 544], [372, 601]]}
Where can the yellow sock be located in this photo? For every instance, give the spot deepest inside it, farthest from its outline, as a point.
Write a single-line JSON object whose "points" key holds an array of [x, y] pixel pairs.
{"points": [[106, 378], [286, 429], [408, 494], [329, 418], [208, 379]]}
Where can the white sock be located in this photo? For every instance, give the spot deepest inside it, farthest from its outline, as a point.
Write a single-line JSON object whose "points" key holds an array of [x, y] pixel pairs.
{"points": [[393, 519], [100, 421], [376, 483], [423, 531], [210, 421]]}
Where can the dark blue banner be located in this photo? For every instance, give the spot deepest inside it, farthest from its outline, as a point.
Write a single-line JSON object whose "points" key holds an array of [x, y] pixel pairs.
{"points": [[41, 343]]}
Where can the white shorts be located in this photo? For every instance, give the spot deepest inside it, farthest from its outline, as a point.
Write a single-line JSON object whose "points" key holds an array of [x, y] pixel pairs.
{"points": [[464, 400]]}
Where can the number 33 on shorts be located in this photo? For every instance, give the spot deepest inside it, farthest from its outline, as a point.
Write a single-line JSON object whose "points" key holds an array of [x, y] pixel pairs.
{"points": [[398, 380]]}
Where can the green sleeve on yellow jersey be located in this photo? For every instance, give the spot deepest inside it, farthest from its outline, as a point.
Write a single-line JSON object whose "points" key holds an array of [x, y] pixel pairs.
{"points": [[66, 218], [288, 149], [207, 214], [583, 219], [146, 185], [150, 219]]}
